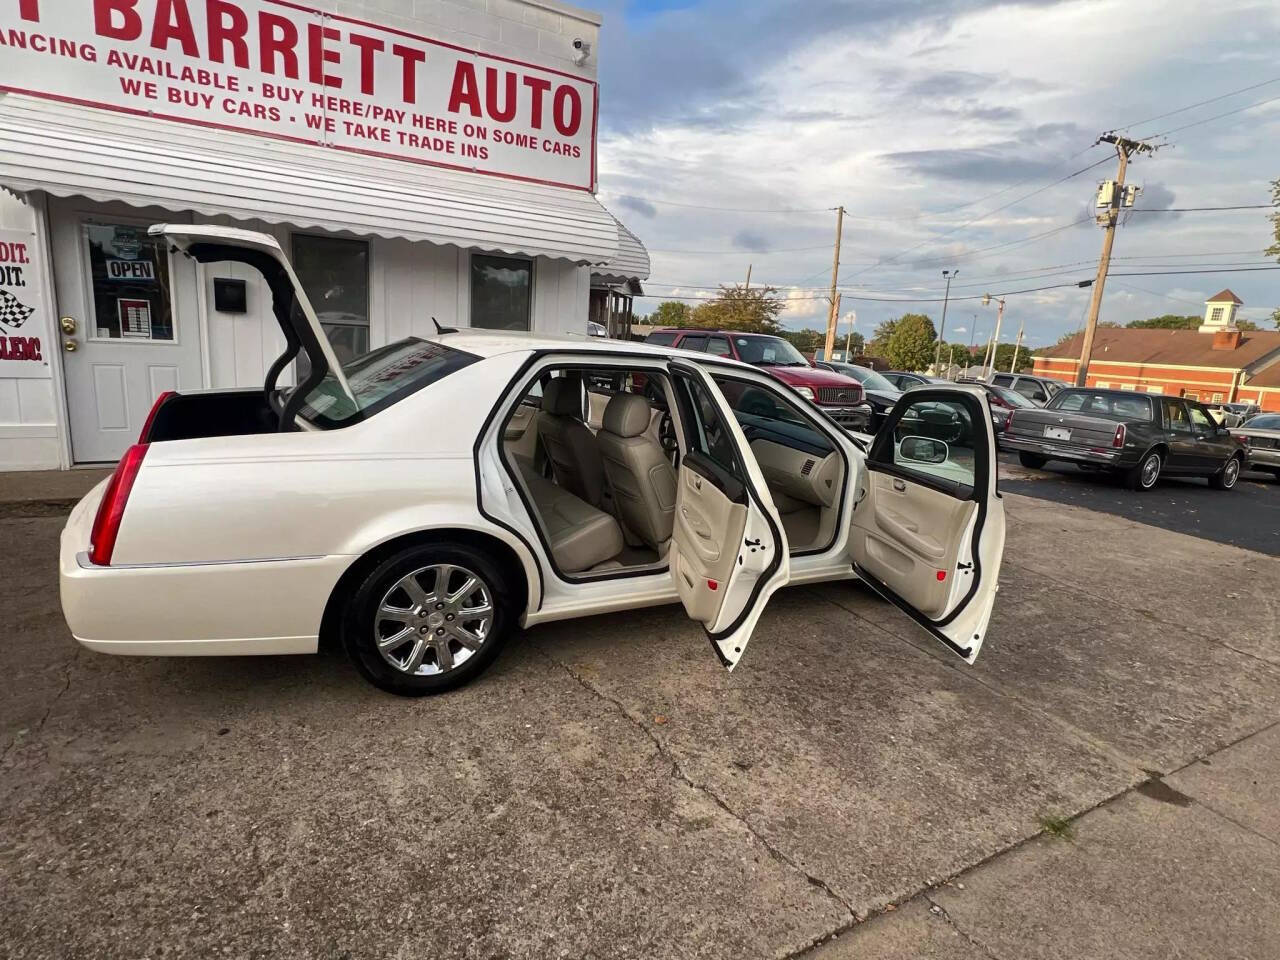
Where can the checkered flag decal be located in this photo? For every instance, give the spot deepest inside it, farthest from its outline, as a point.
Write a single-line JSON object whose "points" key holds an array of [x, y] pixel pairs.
{"points": [[13, 312]]}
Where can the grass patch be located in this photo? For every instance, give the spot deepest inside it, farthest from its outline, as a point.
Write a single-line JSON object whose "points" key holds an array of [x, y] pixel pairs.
{"points": [[1057, 827]]}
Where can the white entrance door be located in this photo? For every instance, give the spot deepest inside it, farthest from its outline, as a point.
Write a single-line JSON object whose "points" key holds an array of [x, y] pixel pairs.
{"points": [[132, 332]]}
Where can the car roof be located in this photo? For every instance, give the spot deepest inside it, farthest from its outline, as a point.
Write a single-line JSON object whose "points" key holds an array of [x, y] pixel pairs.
{"points": [[727, 333], [493, 343]]}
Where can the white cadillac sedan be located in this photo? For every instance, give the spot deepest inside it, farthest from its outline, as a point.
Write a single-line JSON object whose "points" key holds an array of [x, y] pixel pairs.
{"points": [[419, 503]]}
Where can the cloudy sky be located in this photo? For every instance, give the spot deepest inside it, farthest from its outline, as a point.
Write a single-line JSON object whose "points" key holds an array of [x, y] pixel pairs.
{"points": [[927, 120]]}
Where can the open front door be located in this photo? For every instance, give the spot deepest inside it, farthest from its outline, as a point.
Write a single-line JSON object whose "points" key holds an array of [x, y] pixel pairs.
{"points": [[928, 528], [293, 311], [728, 550]]}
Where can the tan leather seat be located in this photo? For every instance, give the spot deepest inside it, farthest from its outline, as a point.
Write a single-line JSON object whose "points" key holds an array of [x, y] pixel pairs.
{"points": [[580, 536], [570, 446], [642, 479]]}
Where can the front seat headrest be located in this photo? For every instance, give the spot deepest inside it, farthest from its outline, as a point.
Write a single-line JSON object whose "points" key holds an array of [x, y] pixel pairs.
{"points": [[562, 396], [627, 415]]}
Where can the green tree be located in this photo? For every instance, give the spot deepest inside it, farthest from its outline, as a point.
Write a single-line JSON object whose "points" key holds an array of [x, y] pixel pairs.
{"points": [[912, 342], [879, 345], [751, 310], [1274, 249], [806, 341], [669, 313], [1168, 321], [1275, 317]]}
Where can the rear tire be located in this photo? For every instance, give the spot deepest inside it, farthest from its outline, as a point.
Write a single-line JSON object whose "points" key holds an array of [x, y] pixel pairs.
{"points": [[1228, 476], [452, 626], [1031, 461], [1145, 474]]}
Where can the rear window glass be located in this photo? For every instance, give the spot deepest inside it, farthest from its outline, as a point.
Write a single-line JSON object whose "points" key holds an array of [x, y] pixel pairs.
{"points": [[663, 338], [380, 379], [1101, 404]]}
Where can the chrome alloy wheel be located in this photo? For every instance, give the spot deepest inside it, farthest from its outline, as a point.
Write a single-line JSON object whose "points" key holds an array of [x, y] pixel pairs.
{"points": [[433, 620], [1150, 471], [1231, 473]]}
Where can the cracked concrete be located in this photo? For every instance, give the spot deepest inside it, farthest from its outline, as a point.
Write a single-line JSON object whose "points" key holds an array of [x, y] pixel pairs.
{"points": [[607, 790]]}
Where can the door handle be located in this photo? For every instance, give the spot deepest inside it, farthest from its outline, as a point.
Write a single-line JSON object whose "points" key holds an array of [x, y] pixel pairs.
{"points": [[68, 325], [70, 345], [900, 486]]}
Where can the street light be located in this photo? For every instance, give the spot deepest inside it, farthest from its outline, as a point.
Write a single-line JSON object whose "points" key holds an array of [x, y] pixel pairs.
{"points": [[947, 275]]}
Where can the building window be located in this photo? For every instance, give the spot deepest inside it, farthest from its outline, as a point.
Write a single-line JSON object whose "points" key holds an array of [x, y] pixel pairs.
{"points": [[335, 275], [1217, 398], [1216, 314], [1154, 388], [129, 277], [1103, 384], [501, 292], [1190, 395]]}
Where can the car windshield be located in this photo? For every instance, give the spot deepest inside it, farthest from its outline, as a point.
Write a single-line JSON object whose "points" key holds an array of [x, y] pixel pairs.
{"points": [[1011, 397], [769, 352], [1113, 406], [379, 379], [1264, 421], [865, 376]]}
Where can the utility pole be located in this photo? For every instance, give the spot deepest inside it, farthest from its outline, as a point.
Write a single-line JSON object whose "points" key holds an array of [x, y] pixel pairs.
{"points": [[1118, 197], [848, 337], [747, 288], [948, 275], [1016, 347], [989, 365], [835, 280]]}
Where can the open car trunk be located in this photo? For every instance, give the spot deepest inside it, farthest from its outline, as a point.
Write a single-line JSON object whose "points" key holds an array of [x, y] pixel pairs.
{"points": [[225, 413], [212, 413]]}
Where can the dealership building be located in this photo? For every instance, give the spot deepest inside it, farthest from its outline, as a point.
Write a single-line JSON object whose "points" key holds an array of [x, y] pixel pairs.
{"points": [[419, 162]]}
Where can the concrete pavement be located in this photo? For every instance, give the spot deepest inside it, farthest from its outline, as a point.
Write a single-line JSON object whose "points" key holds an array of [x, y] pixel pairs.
{"points": [[607, 790]]}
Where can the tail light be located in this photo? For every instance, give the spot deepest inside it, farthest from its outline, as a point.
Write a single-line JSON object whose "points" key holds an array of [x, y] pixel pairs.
{"points": [[106, 525], [1241, 437], [145, 435], [1008, 422], [1118, 440]]}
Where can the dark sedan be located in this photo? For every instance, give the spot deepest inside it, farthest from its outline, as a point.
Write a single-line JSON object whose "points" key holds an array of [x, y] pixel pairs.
{"points": [[881, 395], [1136, 435]]}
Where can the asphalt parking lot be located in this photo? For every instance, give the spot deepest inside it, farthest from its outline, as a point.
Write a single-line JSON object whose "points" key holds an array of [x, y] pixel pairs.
{"points": [[1099, 784], [1248, 516]]}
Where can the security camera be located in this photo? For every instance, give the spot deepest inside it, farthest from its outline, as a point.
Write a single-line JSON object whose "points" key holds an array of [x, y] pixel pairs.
{"points": [[581, 50]]}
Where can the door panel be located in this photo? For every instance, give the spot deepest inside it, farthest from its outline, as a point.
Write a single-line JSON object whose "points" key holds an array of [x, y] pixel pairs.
{"points": [[728, 549], [928, 530]]}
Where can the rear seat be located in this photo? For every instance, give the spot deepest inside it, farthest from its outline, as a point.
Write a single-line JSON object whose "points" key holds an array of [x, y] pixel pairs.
{"points": [[581, 536]]}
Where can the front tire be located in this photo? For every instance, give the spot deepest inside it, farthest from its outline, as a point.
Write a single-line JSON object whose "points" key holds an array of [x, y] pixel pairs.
{"points": [[1228, 476], [1031, 460], [427, 619], [1145, 473]]}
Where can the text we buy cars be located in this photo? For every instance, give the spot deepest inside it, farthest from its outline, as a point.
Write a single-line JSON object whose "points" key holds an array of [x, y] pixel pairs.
{"points": [[273, 67]]}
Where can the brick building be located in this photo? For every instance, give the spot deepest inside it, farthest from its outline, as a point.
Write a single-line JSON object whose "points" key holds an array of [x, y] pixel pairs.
{"points": [[1216, 363]]}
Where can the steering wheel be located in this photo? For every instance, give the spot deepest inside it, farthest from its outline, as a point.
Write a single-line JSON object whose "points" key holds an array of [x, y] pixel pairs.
{"points": [[667, 437]]}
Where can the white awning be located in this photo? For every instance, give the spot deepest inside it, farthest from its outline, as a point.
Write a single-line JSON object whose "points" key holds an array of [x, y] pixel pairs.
{"points": [[68, 150], [630, 264]]}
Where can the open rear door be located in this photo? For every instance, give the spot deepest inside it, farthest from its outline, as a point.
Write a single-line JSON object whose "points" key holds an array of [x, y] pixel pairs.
{"points": [[928, 529], [728, 549], [303, 334]]}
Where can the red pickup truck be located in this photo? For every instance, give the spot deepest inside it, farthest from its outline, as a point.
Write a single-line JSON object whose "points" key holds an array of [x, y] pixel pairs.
{"points": [[839, 397]]}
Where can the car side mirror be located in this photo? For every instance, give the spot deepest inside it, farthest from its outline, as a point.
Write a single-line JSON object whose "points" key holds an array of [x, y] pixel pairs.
{"points": [[923, 450]]}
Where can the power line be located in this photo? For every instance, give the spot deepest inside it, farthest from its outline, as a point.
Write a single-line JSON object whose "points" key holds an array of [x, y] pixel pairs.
{"points": [[990, 213], [1247, 206], [1228, 113], [1222, 96], [1174, 273]]}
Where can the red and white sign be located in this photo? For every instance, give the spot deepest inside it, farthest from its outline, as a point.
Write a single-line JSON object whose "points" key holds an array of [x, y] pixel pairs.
{"points": [[23, 320], [278, 68]]}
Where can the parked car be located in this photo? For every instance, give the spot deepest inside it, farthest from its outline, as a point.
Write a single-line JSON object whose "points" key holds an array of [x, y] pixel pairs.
{"points": [[881, 394], [905, 380], [1039, 390], [1139, 436], [839, 397], [1003, 402], [1261, 437], [420, 502], [1233, 414]]}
